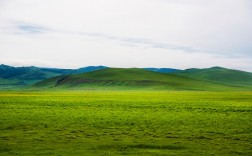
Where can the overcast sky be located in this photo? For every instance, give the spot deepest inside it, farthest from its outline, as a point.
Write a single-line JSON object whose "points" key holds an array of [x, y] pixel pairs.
{"points": [[126, 33]]}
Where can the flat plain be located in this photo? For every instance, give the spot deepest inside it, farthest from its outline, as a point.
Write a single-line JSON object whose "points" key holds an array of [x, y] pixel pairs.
{"points": [[125, 123]]}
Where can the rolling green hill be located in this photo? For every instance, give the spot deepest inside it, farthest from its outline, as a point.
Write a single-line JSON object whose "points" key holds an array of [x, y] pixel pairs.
{"points": [[101, 77], [133, 78], [220, 75]]}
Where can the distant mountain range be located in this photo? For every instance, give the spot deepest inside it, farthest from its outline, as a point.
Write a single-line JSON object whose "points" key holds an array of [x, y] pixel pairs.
{"points": [[101, 77], [163, 70], [21, 76]]}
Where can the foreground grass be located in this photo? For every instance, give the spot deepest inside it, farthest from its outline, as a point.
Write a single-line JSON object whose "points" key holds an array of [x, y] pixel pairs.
{"points": [[125, 123]]}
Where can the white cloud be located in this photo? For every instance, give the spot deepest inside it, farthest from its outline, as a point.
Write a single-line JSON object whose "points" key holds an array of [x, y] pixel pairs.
{"points": [[124, 33]]}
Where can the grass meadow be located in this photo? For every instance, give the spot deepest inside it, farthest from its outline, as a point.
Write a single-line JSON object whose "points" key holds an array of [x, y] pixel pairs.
{"points": [[125, 123]]}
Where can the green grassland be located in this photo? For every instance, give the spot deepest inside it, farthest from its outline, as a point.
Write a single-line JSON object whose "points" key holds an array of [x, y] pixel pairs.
{"points": [[125, 123]]}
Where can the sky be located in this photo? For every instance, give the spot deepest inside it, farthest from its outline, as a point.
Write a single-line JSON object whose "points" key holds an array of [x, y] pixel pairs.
{"points": [[126, 33]]}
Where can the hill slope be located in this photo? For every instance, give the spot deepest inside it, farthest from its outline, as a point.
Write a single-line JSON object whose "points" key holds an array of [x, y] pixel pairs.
{"points": [[116, 78], [21, 76], [220, 75]]}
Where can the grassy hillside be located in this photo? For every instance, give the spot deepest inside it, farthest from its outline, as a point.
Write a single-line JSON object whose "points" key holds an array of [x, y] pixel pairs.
{"points": [[220, 75], [116, 78], [101, 77]]}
